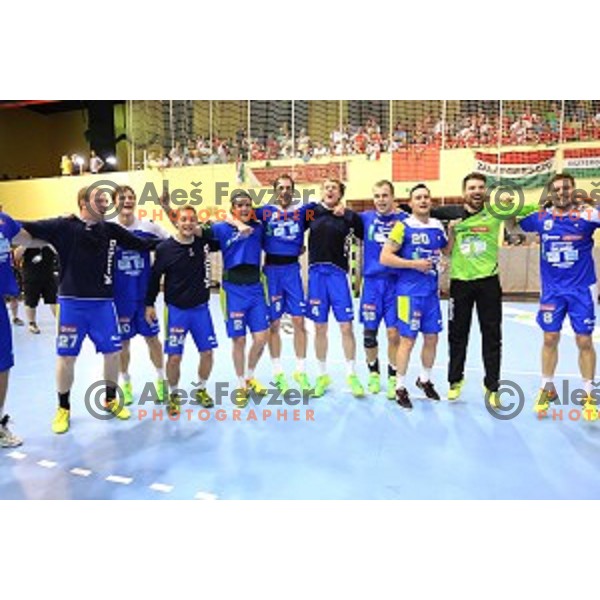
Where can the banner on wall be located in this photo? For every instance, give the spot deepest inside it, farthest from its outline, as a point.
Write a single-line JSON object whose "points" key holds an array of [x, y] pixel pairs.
{"points": [[420, 163], [517, 169], [582, 162], [301, 173]]}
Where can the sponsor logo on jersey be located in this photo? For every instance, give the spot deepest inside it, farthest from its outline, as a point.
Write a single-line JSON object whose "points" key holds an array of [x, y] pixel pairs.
{"points": [[236, 315], [176, 330], [480, 229], [572, 238], [68, 329], [547, 307], [312, 301], [369, 306]]}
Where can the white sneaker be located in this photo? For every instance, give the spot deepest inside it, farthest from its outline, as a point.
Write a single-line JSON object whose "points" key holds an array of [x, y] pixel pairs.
{"points": [[8, 439]]}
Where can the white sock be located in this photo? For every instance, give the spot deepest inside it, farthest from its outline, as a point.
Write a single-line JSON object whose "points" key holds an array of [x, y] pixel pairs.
{"points": [[276, 366], [322, 367], [399, 381], [201, 384], [250, 374], [425, 374], [300, 365], [172, 388], [350, 367], [241, 382], [547, 382], [160, 373], [587, 386], [126, 377]]}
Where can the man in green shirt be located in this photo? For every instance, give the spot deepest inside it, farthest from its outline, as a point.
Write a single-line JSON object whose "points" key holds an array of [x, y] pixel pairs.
{"points": [[474, 281]]}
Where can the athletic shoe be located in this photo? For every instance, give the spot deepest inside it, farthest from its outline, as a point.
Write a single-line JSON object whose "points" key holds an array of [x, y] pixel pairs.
{"points": [[543, 400], [492, 398], [374, 385], [427, 388], [161, 390], [302, 380], [204, 398], [391, 388], [127, 393], [455, 390], [62, 420], [257, 387], [7, 438], [281, 383], [174, 406], [403, 399], [321, 385], [18, 322], [358, 391], [589, 410], [118, 409], [240, 397], [33, 328]]}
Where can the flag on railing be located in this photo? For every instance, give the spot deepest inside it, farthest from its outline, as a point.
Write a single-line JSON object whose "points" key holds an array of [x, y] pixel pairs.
{"points": [[582, 162], [419, 163], [517, 169]]}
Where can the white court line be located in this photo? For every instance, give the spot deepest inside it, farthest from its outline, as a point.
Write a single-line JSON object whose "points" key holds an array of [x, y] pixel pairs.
{"points": [[47, 464], [80, 472], [162, 487], [119, 479], [205, 496], [17, 455]]}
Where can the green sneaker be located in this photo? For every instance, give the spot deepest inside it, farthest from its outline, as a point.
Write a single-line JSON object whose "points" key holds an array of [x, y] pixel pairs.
{"points": [[281, 383], [322, 383], [302, 380], [204, 398], [127, 393], [455, 390], [374, 384], [391, 388], [161, 389], [358, 391]]}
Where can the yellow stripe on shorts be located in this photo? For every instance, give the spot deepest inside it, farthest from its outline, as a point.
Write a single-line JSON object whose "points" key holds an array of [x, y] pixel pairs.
{"points": [[404, 308]]}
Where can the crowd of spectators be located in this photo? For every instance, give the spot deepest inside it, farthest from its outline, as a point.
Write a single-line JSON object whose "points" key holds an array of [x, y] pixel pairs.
{"points": [[472, 129]]}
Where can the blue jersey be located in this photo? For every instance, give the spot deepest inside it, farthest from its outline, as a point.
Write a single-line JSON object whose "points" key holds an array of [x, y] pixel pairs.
{"points": [[377, 230], [8, 230], [284, 229], [566, 245], [86, 252], [132, 271], [238, 249], [418, 240]]}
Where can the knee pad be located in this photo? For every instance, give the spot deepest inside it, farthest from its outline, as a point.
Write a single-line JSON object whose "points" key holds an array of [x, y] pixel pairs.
{"points": [[370, 338]]}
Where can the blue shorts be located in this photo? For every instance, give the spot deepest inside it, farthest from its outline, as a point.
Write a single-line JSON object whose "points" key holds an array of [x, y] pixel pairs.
{"points": [[580, 305], [132, 319], [244, 306], [378, 301], [7, 358], [328, 288], [286, 294], [419, 314], [197, 321], [78, 318]]}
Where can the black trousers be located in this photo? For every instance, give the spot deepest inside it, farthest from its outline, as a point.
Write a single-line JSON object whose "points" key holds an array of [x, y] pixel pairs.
{"points": [[486, 295]]}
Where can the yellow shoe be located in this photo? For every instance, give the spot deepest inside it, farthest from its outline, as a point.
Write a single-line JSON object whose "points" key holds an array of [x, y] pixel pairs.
{"points": [[174, 406], [257, 387], [127, 393], [204, 398], [240, 397], [455, 390], [492, 398], [589, 410], [161, 390], [543, 400], [62, 420], [118, 409]]}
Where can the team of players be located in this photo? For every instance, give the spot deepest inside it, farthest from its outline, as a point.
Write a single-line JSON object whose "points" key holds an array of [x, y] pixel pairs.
{"points": [[402, 257]]}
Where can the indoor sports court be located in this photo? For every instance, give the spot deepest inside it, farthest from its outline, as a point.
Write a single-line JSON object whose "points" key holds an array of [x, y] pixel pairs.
{"points": [[336, 446]]}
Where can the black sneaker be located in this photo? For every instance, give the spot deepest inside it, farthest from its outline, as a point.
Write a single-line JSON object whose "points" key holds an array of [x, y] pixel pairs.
{"points": [[403, 399], [427, 388]]}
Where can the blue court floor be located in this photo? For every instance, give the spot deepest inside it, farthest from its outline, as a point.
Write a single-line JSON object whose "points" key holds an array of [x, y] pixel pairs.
{"points": [[353, 449]]}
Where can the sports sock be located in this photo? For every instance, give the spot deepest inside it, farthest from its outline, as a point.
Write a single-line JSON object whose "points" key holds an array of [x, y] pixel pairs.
{"points": [[399, 381], [276, 366], [374, 366], [300, 365], [350, 367], [63, 400], [425, 374], [392, 371]]}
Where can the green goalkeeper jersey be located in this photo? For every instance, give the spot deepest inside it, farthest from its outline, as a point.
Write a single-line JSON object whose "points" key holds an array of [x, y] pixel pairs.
{"points": [[475, 250]]}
